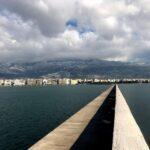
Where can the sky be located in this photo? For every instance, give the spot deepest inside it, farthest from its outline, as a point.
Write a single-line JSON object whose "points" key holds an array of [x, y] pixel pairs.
{"points": [[37, 30]]}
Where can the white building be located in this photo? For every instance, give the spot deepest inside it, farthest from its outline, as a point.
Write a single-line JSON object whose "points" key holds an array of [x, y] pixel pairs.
{"points": [[74, 81], [1, 82], [67, 81], [19, 82], [96, 80], [8, 82], [64, 81], [44, 82]]}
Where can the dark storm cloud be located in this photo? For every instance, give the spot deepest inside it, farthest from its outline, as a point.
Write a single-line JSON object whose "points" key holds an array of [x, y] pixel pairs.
{"points": [[48, 18]]}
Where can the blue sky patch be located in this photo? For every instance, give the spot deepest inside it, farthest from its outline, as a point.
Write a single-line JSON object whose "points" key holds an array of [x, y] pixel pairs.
{"points": [[72, 23]]}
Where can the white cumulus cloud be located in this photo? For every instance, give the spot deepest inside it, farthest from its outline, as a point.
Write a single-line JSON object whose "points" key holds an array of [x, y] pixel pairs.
{"points": [[46, 29]]}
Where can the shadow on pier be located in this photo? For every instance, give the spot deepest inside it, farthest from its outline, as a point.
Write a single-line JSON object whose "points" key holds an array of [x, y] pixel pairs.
{"points": [[99, 132]]}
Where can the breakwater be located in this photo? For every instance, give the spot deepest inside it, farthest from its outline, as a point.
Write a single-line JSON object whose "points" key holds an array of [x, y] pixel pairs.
{"points": [[97, 125]]}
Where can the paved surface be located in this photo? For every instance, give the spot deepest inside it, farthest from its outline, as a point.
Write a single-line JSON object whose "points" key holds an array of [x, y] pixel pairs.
{"points": [[98, 134], [127, 134], [65, 135]]}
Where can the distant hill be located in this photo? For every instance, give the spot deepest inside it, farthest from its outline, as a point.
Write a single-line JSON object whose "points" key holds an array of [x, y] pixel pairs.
{"points": [[75, 68]]}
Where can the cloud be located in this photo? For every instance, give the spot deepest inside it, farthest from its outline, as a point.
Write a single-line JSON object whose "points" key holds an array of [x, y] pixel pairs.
{"points": [[102, 29]]}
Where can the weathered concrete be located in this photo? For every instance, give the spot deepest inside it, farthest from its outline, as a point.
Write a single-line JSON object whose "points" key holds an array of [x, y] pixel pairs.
{"points": [[127, 134], [98, 135], [65, 135]]}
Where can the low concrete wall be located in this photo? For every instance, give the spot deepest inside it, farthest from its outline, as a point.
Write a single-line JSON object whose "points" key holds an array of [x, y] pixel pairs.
{"points": [[127, 135], [65, 135]]}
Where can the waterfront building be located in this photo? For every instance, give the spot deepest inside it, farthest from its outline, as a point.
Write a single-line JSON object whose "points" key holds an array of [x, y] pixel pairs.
{"points": [[1, 82], [31, 82], [54, 81], [64, 81], [44, 82], [47, 81], [96, 81], [67, 81], [117, 80], [60, 81], [19, 82], [104, 81], [74, 81], [38, 81], [111, 80], [8, 82], [80, 81]]}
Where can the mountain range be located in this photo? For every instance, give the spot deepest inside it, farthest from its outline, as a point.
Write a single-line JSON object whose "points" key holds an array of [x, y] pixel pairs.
{"points": [[74, 68]]}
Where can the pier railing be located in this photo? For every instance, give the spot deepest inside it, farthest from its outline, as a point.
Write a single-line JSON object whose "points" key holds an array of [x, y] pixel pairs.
{"points": [[105, 123]]}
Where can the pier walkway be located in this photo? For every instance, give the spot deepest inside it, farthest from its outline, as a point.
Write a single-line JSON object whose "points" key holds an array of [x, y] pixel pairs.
{"points": [[105, 123], [127, 135]]}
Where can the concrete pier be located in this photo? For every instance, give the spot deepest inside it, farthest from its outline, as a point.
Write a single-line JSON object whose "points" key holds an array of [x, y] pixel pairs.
{"points": [[98, 133], [105, 123], [65, 135], [127, 135]]}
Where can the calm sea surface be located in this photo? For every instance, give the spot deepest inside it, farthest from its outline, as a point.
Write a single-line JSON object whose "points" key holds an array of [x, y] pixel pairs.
{"points": [[28, 113]]}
